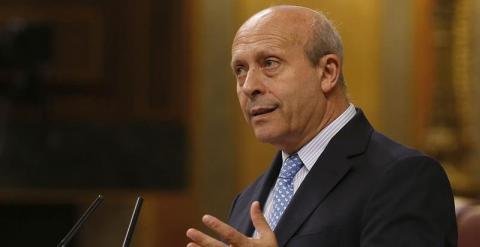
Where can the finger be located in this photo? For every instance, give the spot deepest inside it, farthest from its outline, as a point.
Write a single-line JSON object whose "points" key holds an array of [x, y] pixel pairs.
{"points": [[259, 221], [193, 245], [228, 233], [202, 239]]}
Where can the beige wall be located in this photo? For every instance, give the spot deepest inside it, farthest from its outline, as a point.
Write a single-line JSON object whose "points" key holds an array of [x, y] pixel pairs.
{"points": [[213, 100]]}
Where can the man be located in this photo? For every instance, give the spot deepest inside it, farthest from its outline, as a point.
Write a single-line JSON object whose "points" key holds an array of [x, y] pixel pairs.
{"points": [[335, 180]]}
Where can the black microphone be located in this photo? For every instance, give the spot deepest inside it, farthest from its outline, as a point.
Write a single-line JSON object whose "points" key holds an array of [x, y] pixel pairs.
{"points": [[133, 222], [80, 221]]}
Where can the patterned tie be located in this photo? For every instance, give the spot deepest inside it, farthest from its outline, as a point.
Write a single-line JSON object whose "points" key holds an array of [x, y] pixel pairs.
{"points": [[283, 190]]}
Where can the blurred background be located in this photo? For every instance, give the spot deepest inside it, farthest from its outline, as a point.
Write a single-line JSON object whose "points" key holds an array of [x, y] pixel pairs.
{"points": [[126, 98]]}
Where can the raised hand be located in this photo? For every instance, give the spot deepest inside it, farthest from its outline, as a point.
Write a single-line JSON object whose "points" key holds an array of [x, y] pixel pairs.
{"points": [[233, 238]]}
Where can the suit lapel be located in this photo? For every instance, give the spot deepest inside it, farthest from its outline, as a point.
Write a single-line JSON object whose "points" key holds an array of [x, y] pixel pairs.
{"points": [[260, 191], [328, 171]]}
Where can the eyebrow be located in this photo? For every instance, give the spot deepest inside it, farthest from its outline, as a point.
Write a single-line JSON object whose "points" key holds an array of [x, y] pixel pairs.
{"points": [[233, 63], [260, 54]]}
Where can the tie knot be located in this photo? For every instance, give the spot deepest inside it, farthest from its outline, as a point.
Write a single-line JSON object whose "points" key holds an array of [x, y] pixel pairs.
{"points": [[290, 167]]}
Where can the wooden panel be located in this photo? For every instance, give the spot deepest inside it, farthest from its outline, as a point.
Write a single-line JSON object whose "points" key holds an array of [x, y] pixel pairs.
{"points": [[169, 59], [77, 43], [129, 59], [110, 119], [106, 101]]}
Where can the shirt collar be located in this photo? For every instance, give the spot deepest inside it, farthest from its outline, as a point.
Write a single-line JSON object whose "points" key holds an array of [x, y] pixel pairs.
{"points": [[311, 151]]}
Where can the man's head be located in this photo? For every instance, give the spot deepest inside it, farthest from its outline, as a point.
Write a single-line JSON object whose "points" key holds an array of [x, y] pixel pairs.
{"points": [[287, 62]]}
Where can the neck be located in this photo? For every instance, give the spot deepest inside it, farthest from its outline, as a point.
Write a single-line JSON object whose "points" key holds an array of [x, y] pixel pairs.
{"points": [[332, 111]]}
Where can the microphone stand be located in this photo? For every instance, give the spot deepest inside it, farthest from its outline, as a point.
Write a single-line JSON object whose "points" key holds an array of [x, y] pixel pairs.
{"points": [[133, 222], [80, 221]]}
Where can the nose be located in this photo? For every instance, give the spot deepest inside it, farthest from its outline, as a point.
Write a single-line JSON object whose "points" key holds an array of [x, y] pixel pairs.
{"points": [[253, 84]]}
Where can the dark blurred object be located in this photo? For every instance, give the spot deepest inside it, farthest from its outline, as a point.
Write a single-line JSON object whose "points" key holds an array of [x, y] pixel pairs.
{"points": [[46, 155], [35, 225], [24, 45], [90, 98], [25, 49]]}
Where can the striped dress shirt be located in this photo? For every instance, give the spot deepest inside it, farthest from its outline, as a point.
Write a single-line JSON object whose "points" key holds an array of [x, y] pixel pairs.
{"points": [[311, 152]]}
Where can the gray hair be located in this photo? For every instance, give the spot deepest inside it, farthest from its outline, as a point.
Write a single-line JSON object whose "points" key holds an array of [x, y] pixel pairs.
{"points": [[324, 40]]}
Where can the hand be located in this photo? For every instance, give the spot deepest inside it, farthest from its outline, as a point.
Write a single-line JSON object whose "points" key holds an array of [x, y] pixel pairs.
{"points": [[232, 236]]}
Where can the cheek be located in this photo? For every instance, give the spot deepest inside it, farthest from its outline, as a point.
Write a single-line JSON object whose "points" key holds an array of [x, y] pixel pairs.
{"points": [[299, 103], [242, 100]]}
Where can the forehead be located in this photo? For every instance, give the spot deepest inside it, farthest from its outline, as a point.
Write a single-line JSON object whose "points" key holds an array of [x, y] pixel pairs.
{"points": [[264, 36], [259, 41]]}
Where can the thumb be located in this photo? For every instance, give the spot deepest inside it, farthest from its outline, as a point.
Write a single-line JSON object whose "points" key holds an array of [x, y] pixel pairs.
{"points": [[259, 221]]}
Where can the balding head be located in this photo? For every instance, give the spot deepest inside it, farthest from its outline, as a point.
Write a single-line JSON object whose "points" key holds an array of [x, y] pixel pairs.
{"points": [[310, 28], [286, 61]]}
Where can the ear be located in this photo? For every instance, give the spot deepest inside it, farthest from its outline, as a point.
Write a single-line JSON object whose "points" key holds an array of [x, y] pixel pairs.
{"points": [[329, 67]]}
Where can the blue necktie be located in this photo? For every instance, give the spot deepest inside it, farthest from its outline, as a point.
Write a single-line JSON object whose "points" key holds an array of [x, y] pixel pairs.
{"points": [[283, 190]]}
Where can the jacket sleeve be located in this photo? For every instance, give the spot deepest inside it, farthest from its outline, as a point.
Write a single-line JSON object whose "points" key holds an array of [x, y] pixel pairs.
{"points": [[412, 205]]}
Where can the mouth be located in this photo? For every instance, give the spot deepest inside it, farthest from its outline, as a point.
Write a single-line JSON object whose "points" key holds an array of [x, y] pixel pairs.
{"points": [[262, 110]]}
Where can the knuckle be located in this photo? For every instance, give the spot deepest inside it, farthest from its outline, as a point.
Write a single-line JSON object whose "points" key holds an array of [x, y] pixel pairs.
{"points": [[229, 235], [214, 225]]}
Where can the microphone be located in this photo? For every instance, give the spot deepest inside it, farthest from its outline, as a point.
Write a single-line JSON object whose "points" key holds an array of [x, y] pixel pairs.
{"points": [[80, 221], [133, 222]]}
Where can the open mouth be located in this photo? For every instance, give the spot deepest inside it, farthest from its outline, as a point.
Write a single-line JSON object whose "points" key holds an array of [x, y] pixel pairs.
{"points": [[257, 111]]}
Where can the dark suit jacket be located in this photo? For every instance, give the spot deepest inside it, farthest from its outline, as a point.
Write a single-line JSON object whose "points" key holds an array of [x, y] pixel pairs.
{"points": [[364, 190]]}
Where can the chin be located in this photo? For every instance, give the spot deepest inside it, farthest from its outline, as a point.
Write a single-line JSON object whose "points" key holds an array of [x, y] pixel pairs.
{"points": [[267, 135]]}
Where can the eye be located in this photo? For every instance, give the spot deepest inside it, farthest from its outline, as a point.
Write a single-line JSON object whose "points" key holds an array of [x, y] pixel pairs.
{"points": [[271, 63], [239, 70]]}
